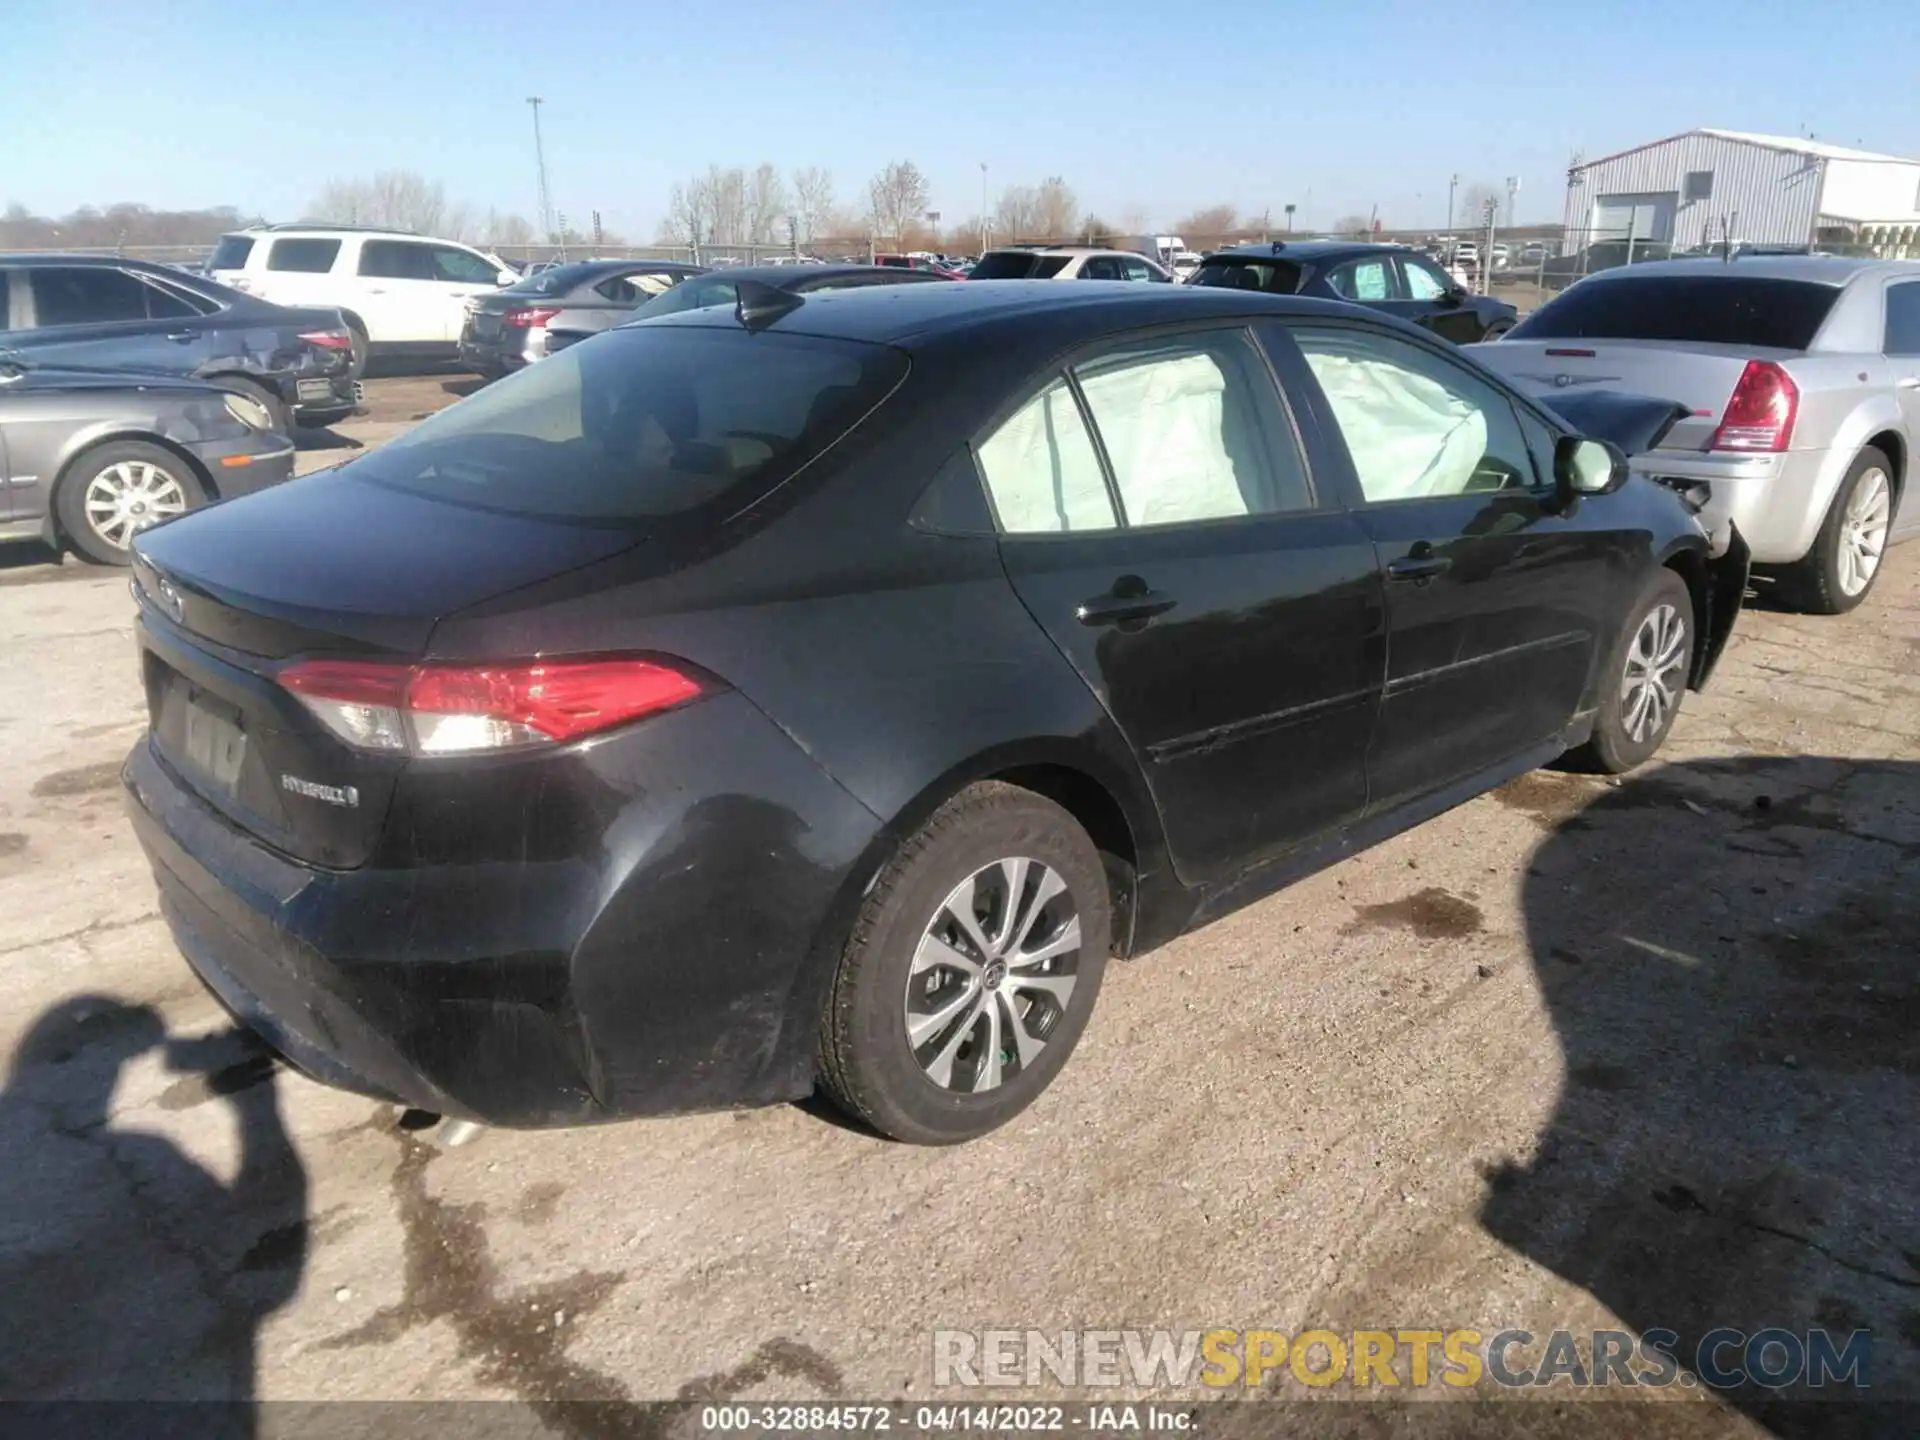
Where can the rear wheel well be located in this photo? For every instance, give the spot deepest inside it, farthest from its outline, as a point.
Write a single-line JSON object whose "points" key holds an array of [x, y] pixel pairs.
{"points": [[1889, 444], [1101, 816]]}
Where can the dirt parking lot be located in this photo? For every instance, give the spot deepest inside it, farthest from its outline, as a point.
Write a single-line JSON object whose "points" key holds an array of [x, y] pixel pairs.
{"points": [[1577, 1054]]}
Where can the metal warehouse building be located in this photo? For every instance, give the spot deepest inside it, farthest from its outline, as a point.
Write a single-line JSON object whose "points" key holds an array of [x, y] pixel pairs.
{"points": [[1707, 186]]}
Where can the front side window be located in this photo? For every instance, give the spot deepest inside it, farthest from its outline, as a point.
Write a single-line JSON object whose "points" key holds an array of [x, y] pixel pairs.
{"points": [[1903, 319], [1363, 280], [1042, 471], [675, 426], [1138, 270], [87, 295], [1100, 267], [462, 267], [1423, 281], [396, 260], [1192, 427], [1416, 424], [307, 257]]}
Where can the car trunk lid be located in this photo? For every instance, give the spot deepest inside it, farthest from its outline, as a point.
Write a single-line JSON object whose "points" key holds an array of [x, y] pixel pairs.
{"points": [[230, 597]]}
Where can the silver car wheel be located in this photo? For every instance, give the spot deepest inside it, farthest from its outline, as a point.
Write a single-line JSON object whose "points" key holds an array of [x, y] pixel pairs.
{"points": [[1863, 530], [1655, 672], [992, 975], [127, 497]]}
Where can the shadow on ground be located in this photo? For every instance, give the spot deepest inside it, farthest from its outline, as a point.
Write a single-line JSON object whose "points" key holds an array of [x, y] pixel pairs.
{"points": [[1729, 950], [130, 1271]]}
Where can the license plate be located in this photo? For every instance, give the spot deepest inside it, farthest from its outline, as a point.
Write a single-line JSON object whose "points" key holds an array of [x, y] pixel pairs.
{"points": [[315, 389], [215, 746]]}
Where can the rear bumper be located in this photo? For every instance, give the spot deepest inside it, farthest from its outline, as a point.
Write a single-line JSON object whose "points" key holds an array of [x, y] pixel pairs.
{"points": [[240, 467], [509, 351], [1776, 501], [619, 931]]}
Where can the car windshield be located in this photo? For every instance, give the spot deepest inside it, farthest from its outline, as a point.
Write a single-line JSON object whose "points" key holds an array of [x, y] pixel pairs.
{"points": [[644, 424], [1018, 265], [1275, 277], [557, 281], [1702, 310]]}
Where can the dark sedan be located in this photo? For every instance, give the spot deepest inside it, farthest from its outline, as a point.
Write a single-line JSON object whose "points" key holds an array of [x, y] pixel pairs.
{"points": [[1392, 279], [824, 687], [509, 328], [101, 312], [92, 458]]}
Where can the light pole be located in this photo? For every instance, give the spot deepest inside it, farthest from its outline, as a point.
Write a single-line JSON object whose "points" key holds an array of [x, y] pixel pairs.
{"points": [[540, 163], [985, 224], [1289, 212], [1453, 183]]}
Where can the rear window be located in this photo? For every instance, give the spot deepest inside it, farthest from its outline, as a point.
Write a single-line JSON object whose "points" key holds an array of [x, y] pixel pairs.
{"points": [[554, 281], [231, 253], [308, 257], [1018, 265], [695, 294], [678, 424], [1701, 310], [1275, 277]]}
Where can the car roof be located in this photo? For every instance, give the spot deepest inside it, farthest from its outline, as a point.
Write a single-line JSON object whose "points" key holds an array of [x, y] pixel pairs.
{"points": [[782, 277], [1815, 269], [1061, 250], [908, 315], [57, 258], [1319, 251]]}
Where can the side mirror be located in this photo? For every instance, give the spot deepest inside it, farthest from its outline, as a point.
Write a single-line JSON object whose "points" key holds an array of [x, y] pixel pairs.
{"points": [[1583, 467], [1453, 295], [507, 277]]}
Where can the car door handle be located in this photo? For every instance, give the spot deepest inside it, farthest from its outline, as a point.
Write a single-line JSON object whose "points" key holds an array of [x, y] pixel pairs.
{"points": [[1908, 382], [181, 336], [1115, 609], [1418, 567]]}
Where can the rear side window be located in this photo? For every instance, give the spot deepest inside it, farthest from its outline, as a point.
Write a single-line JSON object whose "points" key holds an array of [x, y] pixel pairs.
{"points": [[1274, 277], [1903, 319], [87, 295], [1042, 470], [1704, 310], [634, 289], [308, 257], [668, 425], [231, 253], [396, 260], [1363, 280]]}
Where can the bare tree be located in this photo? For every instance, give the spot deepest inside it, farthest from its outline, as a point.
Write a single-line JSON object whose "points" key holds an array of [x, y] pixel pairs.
{"points": [[727, 193], [1352, 225], [812, 200], [689, 218], [1016, 213], [399, 199], [766, 206], [507, 230], [1136, 220], [1056, 213], [897, 197], [1472, 211], [1209, 225]]}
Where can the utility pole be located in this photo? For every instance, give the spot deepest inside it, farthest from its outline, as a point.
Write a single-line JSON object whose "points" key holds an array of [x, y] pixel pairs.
{"points": [[1513, 195], [540, 164], [985, 224]]}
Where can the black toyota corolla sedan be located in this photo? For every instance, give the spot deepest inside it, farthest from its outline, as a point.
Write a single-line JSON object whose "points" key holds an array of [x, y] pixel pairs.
{"points": [[821, 689]]}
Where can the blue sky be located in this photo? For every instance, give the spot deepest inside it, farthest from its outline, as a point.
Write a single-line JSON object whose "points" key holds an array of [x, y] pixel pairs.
{"points": [[1150, 103]]}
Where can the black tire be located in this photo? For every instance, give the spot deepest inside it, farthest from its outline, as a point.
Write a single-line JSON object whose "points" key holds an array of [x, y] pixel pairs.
{"points": [[70, 495], [1817, 584], [1622, 740], [276, 407], [868, 1065], [362, 348]]}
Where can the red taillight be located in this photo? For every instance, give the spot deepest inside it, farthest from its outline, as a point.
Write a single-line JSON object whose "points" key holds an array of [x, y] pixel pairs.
{"points": [[328, 339], [530, 318], [453, 709], [1760, 413]]}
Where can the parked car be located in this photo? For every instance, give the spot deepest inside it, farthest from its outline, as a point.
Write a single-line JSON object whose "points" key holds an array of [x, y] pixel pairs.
{"points": [[101, 312], [509, 328], [91, 458], [827, 685], [402, 295], [1393, 279], [1560, 271], [1802, 379], [1067, 262], [917, 261], [708, 290]]}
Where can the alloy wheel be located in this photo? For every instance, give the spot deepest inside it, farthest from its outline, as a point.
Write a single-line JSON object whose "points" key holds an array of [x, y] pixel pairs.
{"points": [[992, 975], [1655, 673], [1863, 530], [127, 497]]}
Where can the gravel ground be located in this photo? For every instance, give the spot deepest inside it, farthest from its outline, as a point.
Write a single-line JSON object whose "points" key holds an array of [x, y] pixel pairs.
{"points": [[1576, 1054]]}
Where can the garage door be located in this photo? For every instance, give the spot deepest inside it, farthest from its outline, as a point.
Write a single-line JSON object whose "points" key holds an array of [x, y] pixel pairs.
{"points": [[1639, 217]]}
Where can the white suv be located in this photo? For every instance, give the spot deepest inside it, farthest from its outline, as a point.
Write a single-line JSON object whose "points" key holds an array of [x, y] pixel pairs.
{"points": [[400, 294], [1066, 262]]}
